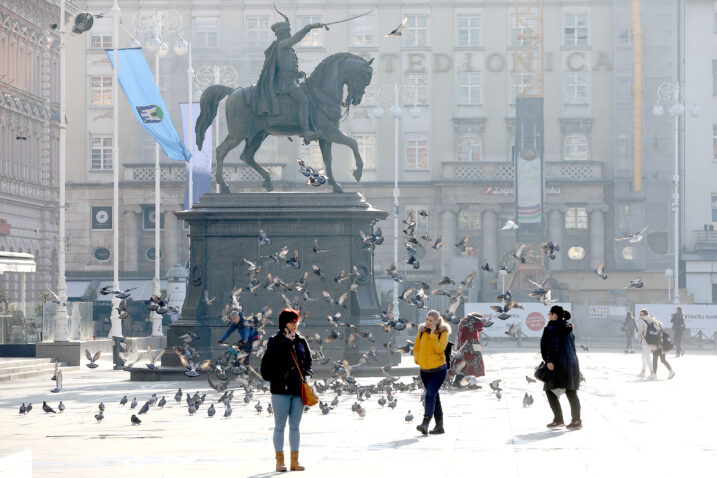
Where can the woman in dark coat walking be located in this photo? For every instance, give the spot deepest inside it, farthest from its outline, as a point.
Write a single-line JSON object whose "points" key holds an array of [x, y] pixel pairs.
{"points": [[279, 368], [678, 327], [557, 346]]}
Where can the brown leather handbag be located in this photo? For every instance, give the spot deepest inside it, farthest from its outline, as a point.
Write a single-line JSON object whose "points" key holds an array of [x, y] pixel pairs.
{"points": [[309, 395]]}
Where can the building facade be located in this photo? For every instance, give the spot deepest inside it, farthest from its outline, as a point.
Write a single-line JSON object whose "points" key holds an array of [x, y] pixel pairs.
{"points": [[454, 62], [29, 131]]}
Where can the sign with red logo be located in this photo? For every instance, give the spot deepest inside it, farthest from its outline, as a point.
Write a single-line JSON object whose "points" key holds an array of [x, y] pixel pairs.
{"points": [[535, 321]]}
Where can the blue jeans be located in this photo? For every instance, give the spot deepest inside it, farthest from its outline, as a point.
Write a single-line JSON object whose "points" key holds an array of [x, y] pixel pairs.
{"points": [[291, 407], [433, 381]]}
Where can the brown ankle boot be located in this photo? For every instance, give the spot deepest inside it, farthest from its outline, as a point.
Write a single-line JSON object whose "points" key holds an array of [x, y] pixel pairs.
{"points": [[280, 466], [295, 462]]}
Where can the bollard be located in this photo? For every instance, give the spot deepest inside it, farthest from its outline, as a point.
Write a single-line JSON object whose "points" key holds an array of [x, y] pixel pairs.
{"points": [[116, 359]]}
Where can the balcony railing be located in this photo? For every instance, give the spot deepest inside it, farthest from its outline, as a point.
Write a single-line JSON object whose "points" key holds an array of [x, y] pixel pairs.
{"points": [[706, 240], [496, 171], [176, 172]]}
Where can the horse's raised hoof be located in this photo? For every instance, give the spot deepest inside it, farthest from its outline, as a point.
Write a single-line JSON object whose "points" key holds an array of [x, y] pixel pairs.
{"points": [[357, 174], [268, 185]]}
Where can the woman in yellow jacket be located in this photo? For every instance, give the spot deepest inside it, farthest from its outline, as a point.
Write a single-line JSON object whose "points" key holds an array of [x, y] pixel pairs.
{"points": [[429, 354]]}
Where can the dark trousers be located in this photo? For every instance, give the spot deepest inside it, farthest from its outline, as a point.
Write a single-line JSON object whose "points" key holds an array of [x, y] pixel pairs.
{"points": [[678, 342], [658, 353], [628, 341], [558, 411], [433, 381]]}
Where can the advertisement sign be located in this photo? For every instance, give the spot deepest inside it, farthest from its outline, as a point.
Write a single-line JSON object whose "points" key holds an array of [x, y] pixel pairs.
{"points": [[531, 319], [697, 316]]}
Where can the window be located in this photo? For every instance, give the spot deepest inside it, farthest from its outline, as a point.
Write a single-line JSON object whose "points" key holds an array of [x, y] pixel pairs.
{"points": [[576, 30], [258, 31], [311, 155], [468, 87], [416, 32], [575, 147], [469, 148], [367, 149], [714, 142], [469, 219], [416, 85], [575, 88], [714, 208], [101, 153], [101, 90], [416, 151], [576, 218], [101, 40], [363, 31], [468, 30], [714, 22], [524, 79], [205, 32], [315, 38], [523, 30]]}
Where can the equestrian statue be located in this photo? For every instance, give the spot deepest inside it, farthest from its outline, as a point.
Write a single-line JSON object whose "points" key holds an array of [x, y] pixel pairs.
{"points": [[282, 105]]}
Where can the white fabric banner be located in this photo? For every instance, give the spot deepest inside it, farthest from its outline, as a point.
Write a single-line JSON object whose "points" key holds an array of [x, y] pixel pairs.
{"points": [[531, 319], [697, 316]]}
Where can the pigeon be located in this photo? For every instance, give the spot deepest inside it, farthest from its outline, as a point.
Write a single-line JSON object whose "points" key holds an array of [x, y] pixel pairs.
{"points": [[258, 408], [153, 358], [61, 407], [178, 396], [58, 382], [101, 406], [123, 294], [486, 267], [633, 237], [397, 31], [382, 401], [28, 408], [58, 300], [92, 359], [123, 401], [269, 409], [468, 281], [392, 404], [550, 248], [293, 261], [263, 238], [135, 420], [361, 412], [409, 417], [527, 400], [495, 385], [461, 245], [439, 243], [600, 271], [133, 404], [512, 331], [316, 247], [47, 408], [162, 402], [529, 380], [228, 411], [509, 225], [100, 416], [144, 409], [211, 411], [584, 347], [635, 284], [519, 253], [498, 395], [192, 409]]}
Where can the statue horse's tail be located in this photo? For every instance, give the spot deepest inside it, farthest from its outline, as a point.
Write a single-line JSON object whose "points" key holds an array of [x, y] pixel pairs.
{"points": [[209, 103]]}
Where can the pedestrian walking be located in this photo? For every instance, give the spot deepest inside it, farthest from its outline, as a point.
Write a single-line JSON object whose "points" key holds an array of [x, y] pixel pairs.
{"points": [[678, 328], [429, 354], [629, 327], [643, 327], [284, 351], [659, 350], [469, 356], [557, 346]]}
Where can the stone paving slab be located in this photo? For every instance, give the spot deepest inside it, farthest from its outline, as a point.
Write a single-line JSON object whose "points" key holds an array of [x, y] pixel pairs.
{"points": [[632, 427]]}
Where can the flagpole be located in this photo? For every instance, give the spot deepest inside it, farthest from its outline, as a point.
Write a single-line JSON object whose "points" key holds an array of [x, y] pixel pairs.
{"points": [[190, 76], [156, 318], [116, 323]]}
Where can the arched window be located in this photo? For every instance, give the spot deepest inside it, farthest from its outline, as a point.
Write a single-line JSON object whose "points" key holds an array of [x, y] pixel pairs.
{"points": [[575, 147], [469, 148]]}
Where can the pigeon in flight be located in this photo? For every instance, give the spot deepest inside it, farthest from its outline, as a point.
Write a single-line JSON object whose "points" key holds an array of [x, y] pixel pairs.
{"points": [[635, 284], [397, 31], [263, 238], [550, 248], [519, 253], [123, 294], [529, 380], [58, 300], [153, 358], [633, 237], [316, 248], [486, 267], [600, 271], [92, 359], [509, 225]]}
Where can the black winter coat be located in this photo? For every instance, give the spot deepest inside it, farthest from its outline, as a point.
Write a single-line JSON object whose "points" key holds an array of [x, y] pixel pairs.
{"points": [[557, 346], [278, 367]]}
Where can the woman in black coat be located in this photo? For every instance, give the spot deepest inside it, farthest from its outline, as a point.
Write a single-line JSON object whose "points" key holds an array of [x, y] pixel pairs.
{"points": [[557, 346], [279, 368]]}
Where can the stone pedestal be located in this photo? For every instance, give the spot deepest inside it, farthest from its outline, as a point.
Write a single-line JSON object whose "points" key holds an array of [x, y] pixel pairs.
{"points": [[224, 230]]}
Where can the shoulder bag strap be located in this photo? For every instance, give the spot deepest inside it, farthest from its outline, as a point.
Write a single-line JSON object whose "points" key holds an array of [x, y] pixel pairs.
{"points": [[297, 363]]}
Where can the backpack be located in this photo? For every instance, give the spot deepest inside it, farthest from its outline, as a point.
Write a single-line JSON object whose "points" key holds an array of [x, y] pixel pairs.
{"points": [[652, 333], [449, 349], [666, 342]]}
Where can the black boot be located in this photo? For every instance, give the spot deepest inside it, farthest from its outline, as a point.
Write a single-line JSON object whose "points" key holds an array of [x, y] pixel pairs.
{"points": [[438, 429], [423, 427]]}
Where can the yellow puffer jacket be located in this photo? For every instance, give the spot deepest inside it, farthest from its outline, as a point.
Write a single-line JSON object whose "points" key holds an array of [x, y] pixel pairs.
{"points": [[429, 349]]}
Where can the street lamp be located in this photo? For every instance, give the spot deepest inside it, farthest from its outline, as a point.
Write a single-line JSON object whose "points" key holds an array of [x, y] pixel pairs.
{"points": [[668, 94], [397, 113]]}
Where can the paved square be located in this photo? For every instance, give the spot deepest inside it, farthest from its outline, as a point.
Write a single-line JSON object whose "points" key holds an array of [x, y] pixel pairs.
{"points": [[631, 427]]}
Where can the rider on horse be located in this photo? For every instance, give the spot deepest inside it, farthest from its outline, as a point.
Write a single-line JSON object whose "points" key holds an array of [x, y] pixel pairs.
{"points": [[280, 75]]}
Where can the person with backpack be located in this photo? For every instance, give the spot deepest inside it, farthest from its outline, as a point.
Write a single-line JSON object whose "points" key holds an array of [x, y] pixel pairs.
{"points": [[429, 352], [660, 349], [557, 347], [648, 335], [678, 328]]}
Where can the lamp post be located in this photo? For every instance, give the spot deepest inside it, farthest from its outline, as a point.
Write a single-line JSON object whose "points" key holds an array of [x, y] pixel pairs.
{"points": [[163, 22], [668, 94], [397, 113], [116, 323]]}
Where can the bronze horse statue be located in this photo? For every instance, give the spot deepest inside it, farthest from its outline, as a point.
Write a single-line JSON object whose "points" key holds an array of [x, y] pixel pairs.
{"points": [[324, 88]]}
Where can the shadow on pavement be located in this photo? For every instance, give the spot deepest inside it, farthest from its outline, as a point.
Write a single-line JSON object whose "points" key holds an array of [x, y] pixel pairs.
{"points": [[533, 437], [394, 444]]}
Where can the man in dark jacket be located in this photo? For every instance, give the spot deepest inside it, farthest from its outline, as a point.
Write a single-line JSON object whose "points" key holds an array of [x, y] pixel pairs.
{"points": [[557, 346]]}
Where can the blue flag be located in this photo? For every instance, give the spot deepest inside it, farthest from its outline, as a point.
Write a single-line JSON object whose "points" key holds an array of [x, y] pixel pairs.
{"points": [[145, 101], [201, 160]]}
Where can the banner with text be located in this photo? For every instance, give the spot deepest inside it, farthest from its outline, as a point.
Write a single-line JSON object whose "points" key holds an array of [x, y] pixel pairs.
{"points": [[531, 319], [697, 316]]}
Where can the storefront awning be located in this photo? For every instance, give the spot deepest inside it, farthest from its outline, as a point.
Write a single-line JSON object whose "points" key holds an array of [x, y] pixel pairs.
{"points": [[16, 262]]}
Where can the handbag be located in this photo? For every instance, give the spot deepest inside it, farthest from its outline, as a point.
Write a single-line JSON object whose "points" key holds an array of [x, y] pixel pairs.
{"points": [[542, 372], [309, 395]]}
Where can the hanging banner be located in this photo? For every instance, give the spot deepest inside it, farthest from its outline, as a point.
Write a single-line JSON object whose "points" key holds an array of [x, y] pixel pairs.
{"points": [[532, 319], [201, 160], [146, 102], [529, 183]]}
